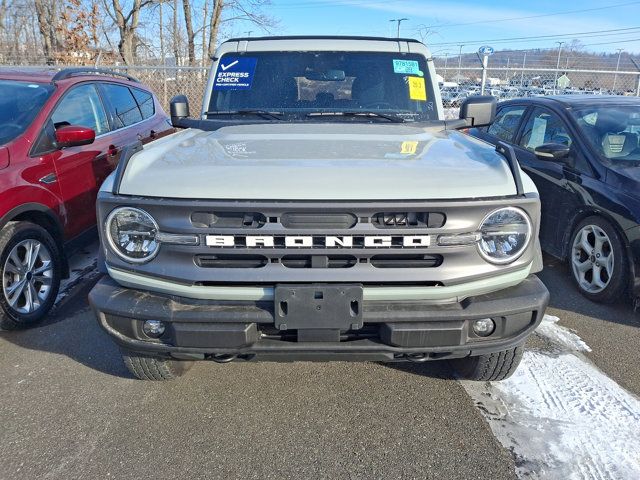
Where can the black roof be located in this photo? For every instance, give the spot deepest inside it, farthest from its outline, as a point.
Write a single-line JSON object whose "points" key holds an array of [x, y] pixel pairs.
{"points": [[323, 37], [580, 100]]}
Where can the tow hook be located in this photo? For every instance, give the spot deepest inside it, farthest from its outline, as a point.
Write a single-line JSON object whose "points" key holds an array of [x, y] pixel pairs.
{"points": [[223, 358], [417, 357]]}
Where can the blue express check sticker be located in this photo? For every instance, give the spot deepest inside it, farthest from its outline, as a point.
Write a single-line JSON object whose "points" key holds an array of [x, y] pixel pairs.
{"points": [[235, 73], [408, 67]]}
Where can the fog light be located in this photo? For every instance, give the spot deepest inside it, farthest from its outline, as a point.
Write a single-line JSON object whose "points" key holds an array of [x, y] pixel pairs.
{"points": [[153, 328], [484, 327]]}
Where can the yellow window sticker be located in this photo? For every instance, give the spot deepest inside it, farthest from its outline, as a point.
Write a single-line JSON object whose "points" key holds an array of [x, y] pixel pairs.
{"points": [[417, 90], [409, 148]]}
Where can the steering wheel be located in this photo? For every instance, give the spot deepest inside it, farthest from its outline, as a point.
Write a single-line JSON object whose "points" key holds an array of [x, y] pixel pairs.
{"points": [[378, 105]]}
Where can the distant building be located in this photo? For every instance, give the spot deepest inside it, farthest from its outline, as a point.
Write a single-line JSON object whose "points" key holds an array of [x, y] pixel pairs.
{"points": [[563, 81]]}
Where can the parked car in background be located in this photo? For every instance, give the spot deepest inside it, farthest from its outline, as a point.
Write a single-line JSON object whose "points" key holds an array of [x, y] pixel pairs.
{"points": [[583, 153], [61, 134]]}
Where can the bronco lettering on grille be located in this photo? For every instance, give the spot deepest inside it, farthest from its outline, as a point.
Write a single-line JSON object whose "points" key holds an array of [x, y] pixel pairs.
{"points": [[321, 241]]}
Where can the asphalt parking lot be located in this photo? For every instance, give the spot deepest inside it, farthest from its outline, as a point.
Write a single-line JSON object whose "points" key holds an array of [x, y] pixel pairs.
{"points": [[69, 408]]}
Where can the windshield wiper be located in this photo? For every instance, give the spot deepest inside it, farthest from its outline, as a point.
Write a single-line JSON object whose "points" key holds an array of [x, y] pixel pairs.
{"points": [[364, 113], [261, 113]]}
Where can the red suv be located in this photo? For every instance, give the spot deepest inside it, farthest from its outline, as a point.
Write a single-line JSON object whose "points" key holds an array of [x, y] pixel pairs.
{"points": [[61, 134]]}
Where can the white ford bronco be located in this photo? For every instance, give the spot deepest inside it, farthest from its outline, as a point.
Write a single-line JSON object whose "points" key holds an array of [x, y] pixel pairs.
{"points": [[320, 208]]}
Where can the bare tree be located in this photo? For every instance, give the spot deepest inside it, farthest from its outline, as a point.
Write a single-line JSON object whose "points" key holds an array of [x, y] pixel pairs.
{"points": [[191, 39], [48, 25], [127, 25], [214, 25], [251, 11]]}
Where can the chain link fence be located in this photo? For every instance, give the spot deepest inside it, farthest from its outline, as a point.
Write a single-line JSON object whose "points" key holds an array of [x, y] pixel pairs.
{"points": [[506, 83], [456, 83], [168, 82]]}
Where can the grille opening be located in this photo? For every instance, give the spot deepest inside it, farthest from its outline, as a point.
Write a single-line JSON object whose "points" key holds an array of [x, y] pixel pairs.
{"points": [[406, 261], [318, 220], [408, 220], [319, 261], [228, 219], [231, 261]]}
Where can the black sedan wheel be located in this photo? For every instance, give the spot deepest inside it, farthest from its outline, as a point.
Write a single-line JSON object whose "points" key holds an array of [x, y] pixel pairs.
{"points": [[598, 260]]}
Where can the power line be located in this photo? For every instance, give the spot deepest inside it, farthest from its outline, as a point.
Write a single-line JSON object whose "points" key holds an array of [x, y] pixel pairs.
{"points": [[537, 37], [568, 12]]}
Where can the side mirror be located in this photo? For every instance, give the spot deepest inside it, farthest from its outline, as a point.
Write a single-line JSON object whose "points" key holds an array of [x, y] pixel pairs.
{"points": [[478, 110], [73, 136], [552, 151], [178, 109]]}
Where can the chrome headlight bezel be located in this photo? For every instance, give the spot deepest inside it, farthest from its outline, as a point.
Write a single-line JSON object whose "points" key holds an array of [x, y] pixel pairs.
{"points": [[111, 241], [529, 235]]}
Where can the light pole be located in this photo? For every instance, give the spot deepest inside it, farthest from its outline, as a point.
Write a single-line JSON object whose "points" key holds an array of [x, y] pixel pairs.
{"points": [[615, 77], [459, 65], [555, 82], [444, 72], [399, 21]]}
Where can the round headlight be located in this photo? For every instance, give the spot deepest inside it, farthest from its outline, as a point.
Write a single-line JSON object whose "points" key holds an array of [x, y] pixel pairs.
{"points": [[505, 235], [131, 233]]}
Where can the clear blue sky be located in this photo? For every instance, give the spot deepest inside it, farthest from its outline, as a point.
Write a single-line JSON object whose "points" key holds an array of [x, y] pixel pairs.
{"points": [[484, 22]]}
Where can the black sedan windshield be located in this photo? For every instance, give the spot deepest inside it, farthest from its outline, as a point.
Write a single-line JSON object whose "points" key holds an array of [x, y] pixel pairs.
{"points": [[20, 102], [338, 84], [614, 131]]}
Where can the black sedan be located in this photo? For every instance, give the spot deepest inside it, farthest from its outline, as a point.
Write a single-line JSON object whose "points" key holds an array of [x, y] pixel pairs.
{"points": [[583, 153]]}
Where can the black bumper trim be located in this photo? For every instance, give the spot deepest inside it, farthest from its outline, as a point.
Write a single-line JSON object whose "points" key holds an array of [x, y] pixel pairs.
{"points": [[233, 327]]}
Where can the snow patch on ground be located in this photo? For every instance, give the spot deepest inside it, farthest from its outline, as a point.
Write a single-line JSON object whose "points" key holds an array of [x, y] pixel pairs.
{"points": [[82, 265], [550, 329], [561, 417]]}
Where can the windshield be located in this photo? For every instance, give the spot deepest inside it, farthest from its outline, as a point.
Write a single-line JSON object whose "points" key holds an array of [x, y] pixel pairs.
{"points": [[20, 102], [614, 131], [298, 83]]}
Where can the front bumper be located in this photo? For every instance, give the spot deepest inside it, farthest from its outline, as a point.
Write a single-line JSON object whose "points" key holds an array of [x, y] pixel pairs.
{"points": [[391, 330]]}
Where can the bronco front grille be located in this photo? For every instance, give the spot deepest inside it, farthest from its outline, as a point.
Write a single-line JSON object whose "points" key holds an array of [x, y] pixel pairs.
{"points": [[389, 243]]}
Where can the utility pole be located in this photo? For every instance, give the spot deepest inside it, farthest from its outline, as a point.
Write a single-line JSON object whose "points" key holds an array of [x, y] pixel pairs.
{"points": [[555, 83], [524, 62], [248, 33], [444, 72], [459, 65], [615, 77], [399, 21]]}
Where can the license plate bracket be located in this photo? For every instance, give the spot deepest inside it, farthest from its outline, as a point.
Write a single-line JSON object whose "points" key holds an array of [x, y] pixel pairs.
{"points": [[318, 306]]}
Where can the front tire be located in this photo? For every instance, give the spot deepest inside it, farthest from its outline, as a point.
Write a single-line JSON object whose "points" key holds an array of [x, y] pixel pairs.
{"points": [[146, 367], [31, 264], [598, 260], [490, 367]]}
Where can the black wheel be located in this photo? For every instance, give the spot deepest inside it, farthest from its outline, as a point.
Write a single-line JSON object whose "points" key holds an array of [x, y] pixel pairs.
{"points": [[31, 264], [598, 260], [146, 367], [490, 367]]}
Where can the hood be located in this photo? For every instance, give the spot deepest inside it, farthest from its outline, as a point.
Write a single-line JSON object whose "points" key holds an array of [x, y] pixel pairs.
{"points": [[318, 161]]}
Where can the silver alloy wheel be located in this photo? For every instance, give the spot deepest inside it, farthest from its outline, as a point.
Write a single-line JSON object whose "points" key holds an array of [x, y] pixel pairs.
{"points": [[592, 259], [27, 276]]}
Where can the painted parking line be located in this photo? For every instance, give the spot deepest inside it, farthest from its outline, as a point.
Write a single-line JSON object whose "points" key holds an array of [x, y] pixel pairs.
{"points": [[560, 416]]}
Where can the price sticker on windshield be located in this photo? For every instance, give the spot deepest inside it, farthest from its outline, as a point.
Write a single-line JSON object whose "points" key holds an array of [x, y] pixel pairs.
{"points": [[408, 67], [235, 73], [417, 89]]}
